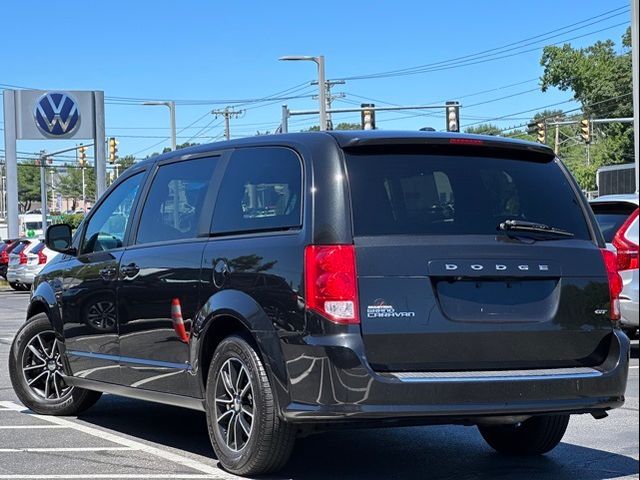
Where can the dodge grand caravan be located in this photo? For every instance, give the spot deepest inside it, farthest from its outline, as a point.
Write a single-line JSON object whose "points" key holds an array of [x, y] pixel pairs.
{"points": [[292, 283]]}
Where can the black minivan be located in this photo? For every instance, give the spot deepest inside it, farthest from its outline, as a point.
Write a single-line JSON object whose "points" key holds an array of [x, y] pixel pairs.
{"points": [[292, 283]]}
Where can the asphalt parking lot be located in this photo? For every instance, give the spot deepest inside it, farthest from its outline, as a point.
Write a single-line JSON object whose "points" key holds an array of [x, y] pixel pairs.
{"points": [[120, 438]]}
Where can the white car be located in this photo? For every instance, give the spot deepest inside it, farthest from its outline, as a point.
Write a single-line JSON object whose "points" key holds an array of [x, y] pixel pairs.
{"points": [[617, 216], [38, 255]]}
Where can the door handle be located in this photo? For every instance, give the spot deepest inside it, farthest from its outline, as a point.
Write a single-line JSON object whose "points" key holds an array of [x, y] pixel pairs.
{"points": [[107, 273], [130, 270]]}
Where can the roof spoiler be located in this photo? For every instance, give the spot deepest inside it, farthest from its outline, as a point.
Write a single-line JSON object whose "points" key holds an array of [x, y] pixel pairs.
{"points": [[455, 144]]}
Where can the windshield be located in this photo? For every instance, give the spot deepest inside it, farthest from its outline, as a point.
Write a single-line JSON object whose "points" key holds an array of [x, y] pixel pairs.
{"points": [[414, 194]]}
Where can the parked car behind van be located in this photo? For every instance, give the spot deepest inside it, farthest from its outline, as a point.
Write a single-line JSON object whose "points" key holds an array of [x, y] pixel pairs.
{"points": [[299, 282], [617, 216], [18, 262]]}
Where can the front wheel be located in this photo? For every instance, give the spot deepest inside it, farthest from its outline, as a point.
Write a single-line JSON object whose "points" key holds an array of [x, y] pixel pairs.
{"points": [[247, 434], [37, 372], [535, 436]]}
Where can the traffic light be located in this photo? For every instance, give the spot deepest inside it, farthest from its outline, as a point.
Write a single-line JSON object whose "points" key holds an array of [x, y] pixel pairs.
{"points": [[113, 150], [368, 117], [585, 130], [541, 130], [453, 117], [82, 155]]}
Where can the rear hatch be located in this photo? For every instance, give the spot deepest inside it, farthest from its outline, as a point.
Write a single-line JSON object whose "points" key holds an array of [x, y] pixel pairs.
{"points": [[443, 288]]}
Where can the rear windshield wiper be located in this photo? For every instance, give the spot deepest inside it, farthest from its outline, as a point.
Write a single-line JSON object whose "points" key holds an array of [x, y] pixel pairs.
{"points": [[532, 227]]}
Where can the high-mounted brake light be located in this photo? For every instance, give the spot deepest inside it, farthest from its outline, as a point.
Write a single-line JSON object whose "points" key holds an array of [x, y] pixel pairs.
{"points": [[615, 283], [330, 282], [627, 250], [465, 141]]}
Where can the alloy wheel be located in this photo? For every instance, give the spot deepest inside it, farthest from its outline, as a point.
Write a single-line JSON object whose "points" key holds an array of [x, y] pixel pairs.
{"points": [[42, 367], [234, 407]]}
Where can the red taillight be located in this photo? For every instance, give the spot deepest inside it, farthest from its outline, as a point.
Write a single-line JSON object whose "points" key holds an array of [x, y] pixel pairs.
{"points": [[465, 141], [627, 250], [330, 282], [23, 258], [615, 282], [42, 258], [4, 256]]}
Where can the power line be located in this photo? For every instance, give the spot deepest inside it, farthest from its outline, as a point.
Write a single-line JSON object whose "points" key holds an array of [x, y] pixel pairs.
{"points": [[499, 50]]}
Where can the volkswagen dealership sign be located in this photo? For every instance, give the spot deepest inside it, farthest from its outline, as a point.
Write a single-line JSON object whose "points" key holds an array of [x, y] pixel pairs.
{"points": [[50, 115], [57, 114], [54, 115]]}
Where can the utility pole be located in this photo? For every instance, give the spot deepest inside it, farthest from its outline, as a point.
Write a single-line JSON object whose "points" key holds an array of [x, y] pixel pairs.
{"points": [[43, 188], [635, 64], [329, 98], [227, 113], [556, 145]]}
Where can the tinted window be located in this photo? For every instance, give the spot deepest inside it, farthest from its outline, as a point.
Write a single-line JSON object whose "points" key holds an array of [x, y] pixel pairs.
{"points": [[174, 204], [260, 190], [20, 247], [37, 249], [417, 194], [611, 216], [107, 226]]}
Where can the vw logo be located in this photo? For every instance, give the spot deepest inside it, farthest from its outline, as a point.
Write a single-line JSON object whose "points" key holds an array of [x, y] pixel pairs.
{"points": [[57, 114]]}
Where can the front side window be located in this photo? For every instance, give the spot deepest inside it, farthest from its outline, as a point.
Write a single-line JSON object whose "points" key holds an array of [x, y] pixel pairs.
{"points": [[174, 205], [261, 190], [108, 224]]}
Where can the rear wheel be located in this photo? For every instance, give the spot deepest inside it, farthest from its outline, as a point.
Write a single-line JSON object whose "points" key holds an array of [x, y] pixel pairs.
{"points": [[534, 436], [36, 371], [247, 435], [15, 286]]}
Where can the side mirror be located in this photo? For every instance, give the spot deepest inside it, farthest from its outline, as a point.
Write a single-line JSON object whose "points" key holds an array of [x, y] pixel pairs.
{"points": [[58, 238]]}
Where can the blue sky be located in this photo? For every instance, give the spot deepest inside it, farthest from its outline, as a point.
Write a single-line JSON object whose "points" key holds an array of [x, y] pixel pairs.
{"points": [[218, 51]]}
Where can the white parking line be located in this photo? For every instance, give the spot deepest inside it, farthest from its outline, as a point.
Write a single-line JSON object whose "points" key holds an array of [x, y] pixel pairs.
{"points": [[17, 427], [64, 449], [110, 437], [151, 476], [6, 341]]}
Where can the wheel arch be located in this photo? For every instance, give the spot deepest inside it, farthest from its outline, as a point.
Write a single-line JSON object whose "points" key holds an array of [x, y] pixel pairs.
{"points": [[43, 300], [234, 312]]}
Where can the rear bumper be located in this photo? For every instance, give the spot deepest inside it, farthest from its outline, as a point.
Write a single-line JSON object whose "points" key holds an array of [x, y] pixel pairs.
{"points": [[13, 274], [331, 383]]}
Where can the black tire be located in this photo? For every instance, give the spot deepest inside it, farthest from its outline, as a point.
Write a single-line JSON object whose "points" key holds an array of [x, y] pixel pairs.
{"points": [[535, 436], [270, 440], [47, 397], [16, 286]]}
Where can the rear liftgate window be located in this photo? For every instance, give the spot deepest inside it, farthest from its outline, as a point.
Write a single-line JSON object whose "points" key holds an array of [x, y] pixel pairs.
{"points": [[414, 194]]}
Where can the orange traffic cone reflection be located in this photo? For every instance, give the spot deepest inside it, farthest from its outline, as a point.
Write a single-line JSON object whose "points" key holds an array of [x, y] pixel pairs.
{"points": [[178, 322]]}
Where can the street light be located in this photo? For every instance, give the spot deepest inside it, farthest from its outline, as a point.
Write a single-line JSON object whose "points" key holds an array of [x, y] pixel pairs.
{"points": [[321, 83], [172, 114]]}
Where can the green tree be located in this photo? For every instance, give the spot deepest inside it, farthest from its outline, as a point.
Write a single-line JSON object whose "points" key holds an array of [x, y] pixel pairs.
{"points": [[600, 79], [28, 184], [339, 126], [484, 129], [70, 184], [168, 149]]}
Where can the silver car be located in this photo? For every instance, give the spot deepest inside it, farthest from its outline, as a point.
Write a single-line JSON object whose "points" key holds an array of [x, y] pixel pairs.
{"points": [[617, 216], [18, 262], [38, 256]]}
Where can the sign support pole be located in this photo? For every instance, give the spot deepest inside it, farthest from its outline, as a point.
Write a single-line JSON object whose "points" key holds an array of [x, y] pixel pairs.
{"points": [[99, 147], [11, 162]]}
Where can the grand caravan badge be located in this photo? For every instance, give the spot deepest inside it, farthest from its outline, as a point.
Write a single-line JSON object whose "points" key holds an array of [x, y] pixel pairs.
{"points": [[380, 309]]}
